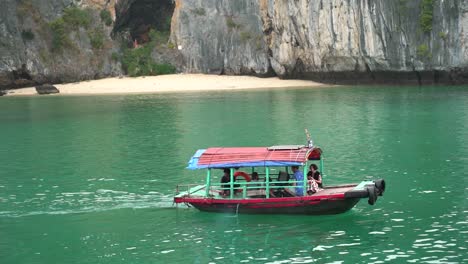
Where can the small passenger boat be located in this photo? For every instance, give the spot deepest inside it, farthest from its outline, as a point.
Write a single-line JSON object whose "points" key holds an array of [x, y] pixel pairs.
{"points": [[274, 192]]}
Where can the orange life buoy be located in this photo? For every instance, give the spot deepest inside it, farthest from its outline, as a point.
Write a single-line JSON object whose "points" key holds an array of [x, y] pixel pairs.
{"points": [[243, 174]]}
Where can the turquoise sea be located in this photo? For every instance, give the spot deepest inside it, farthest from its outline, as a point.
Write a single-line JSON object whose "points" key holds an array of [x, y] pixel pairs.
{"points": [[90, 179]]}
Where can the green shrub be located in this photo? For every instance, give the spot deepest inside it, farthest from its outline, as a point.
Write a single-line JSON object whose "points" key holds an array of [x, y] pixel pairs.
{"points": [[75, 17], [402, 6], [171, 45], [245, 35], [199, 11], [158, 37], [163, 68], [72, 19], [27, 35], [138, 62], [443, 35], [423, 51], [425, 17], [259, 43], [59, 36], [106, 17], [231, 24], [96, 37], [115, 56]]}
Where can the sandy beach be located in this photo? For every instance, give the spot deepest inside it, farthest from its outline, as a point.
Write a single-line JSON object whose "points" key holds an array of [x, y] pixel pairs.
{"points": [[169, 83]]}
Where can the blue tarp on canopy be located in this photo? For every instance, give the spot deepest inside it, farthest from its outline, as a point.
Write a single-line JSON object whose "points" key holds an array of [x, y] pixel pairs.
{"points": [[193, 162]]}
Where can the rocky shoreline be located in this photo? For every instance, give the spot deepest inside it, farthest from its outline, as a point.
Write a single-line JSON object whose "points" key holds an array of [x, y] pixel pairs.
{"points": [[335, 42]]}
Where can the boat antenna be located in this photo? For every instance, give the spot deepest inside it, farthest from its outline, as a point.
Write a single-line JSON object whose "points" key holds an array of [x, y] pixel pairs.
{"points": [[310, 143]]}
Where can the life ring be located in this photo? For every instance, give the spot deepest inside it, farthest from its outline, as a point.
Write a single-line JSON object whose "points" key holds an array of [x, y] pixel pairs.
{"points": [[243, 174]]}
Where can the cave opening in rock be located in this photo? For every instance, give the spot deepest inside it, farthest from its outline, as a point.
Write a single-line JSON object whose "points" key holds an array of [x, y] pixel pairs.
{"points": [[138, 17]]}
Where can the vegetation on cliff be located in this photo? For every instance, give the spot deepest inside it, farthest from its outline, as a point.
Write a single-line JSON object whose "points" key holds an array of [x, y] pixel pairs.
{"points": [[139, 62], [106, 17], [73, 19], [425, 18]]}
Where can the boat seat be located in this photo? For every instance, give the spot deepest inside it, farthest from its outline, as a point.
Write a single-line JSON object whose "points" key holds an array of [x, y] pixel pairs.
{"points": [[282, 177]]}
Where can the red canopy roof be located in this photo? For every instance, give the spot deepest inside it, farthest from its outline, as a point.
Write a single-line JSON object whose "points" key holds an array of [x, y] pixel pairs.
{"points": [[250, 156]]}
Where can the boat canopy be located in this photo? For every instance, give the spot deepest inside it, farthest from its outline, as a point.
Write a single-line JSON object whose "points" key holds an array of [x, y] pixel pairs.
{"points": [[276, 156]]}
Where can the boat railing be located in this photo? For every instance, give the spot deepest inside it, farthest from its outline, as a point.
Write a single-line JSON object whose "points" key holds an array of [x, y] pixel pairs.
{"points": [[188, 188], [238, 190], [242, 188]]}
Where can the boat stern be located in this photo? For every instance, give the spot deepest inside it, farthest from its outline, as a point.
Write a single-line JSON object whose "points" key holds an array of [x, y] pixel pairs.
{"points": [[367, 189], [190, 191]]}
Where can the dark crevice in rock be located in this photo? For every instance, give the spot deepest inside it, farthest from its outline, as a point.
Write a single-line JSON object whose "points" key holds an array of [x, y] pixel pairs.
{"points": [[436, 77], [21, 73], [418, 75], [17, 78], [369, 71], [267, 31], [298, 70], [332, 27], [138, 17]]}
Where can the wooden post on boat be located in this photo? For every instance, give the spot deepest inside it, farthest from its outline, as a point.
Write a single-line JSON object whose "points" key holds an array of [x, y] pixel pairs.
{"points": [[304, 179], [208, 181], [267, 180], [321, 165], [231, 186]]}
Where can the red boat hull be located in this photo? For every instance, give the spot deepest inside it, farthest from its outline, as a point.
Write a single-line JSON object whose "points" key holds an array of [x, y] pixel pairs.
{"points": [[289, 205]]}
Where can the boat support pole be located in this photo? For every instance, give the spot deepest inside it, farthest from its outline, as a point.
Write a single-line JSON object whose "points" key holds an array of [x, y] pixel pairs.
{"points": [[321, 165], [304, 179], [231, 187], [267, 178], [208, 180]]}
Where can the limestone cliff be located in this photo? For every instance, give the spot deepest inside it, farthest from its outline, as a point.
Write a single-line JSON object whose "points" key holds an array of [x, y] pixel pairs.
{"points": [[38, 46], [328, 40], [352, 41]]}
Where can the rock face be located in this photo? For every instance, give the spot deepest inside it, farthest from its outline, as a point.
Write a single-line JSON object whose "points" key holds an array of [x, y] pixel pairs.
{"points": [[327, 40], [47, 89], [336, 41], [27, 54]]}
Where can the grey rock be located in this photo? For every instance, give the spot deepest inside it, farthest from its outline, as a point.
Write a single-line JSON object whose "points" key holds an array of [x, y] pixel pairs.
{"points": [[328, 40], [335, 41], [47, 89], [27, 62]]}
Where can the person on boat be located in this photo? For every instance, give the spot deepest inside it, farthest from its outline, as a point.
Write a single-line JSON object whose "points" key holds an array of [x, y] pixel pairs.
{"points": [[312, 186], [313, 171], [225, 182], [257, 181], [298, 177]]}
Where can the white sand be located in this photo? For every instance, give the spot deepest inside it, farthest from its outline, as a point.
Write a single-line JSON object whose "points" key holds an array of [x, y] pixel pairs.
{"points": [[169, 83]]}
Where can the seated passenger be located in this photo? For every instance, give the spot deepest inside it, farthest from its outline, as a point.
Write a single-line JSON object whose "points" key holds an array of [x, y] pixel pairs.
{"points": [[225, 182], [313, 171], [299, 178], [312, 186], [257, 181]]}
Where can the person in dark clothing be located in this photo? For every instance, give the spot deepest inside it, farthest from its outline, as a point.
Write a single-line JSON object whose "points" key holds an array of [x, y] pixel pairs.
{"points": [[313, 171], [225, 181]]}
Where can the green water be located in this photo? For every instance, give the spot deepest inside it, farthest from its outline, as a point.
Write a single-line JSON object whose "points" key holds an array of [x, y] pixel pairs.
{"points": [[90, 179]]}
